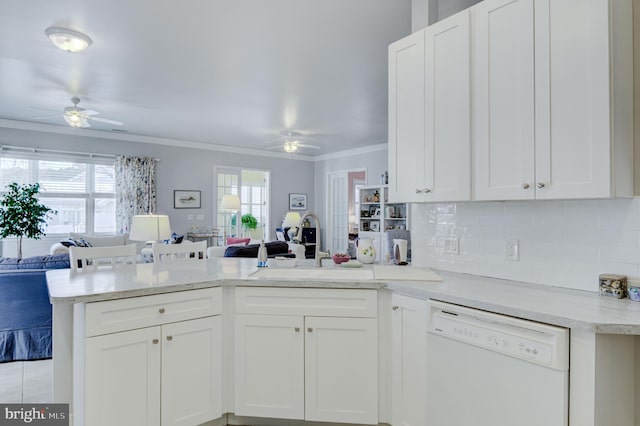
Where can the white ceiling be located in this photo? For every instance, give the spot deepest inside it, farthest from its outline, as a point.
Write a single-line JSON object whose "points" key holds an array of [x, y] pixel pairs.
{"points": [[223, 72]]}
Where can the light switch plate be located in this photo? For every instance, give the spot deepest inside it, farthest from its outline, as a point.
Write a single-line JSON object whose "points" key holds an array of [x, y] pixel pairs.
{"points": [[452, 245], [512, 250]]}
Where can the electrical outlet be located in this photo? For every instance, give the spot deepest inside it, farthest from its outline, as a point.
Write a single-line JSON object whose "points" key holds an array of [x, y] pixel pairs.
{"points": [[189, 217], [451, 245], [511, 250], [200, 217]]}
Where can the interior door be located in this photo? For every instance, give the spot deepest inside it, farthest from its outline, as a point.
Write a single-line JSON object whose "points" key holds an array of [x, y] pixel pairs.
{"points": [[337, 231]]}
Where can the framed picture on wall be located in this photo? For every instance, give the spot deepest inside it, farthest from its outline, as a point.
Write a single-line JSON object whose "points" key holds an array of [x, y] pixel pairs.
{"points": [[297, 201], [186, 199]]}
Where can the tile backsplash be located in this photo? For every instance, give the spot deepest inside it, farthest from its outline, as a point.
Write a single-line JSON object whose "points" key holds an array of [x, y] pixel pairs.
{"points": [[561, 243]]}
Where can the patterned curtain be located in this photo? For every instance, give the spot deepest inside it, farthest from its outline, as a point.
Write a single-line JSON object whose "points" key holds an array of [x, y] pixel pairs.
{"points": [[135, 189]]}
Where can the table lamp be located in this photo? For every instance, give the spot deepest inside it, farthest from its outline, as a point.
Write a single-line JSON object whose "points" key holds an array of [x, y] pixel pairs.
{"points": [[291, 221], [149, 228]]}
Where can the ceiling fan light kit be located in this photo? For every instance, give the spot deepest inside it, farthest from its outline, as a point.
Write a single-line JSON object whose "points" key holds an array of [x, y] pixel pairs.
{"points": [[68, 40]]}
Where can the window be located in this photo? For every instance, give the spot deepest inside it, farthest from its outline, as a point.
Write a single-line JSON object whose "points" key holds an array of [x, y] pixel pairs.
{"points": [[252, 186], [82, 193]]}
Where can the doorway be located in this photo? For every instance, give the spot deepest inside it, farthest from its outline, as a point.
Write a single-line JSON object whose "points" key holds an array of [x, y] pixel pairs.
{"points": [[341, 207]]}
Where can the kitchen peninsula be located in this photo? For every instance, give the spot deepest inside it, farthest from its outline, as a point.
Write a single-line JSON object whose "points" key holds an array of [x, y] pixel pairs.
{"points": [[137, 312]]}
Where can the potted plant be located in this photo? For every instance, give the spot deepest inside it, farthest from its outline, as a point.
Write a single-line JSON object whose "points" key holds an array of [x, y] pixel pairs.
{"points": [[249, 221], [22, 215]]}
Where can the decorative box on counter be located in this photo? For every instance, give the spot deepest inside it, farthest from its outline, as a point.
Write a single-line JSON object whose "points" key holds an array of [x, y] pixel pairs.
{"points": [[613, 285], [633, 288]]}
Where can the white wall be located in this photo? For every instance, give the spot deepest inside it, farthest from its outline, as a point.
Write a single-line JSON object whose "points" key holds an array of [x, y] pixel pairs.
{"points": [[562, 243], [178, 168]]}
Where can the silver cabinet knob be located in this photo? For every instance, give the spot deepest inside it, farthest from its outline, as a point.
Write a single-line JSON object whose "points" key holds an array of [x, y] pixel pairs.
{"points": [[169, 338], [155, 341], [161, 310], [395, 308], [418, 191], [423, 191], [297, 329], [540, 185], [309, 329], [525, 186], [426, 190]]}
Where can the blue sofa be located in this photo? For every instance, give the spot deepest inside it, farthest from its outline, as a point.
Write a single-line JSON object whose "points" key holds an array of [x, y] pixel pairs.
{"points": [[25, 310]]}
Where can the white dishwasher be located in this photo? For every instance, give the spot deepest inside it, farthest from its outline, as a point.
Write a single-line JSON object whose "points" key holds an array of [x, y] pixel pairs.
{"points": [[486, 369]]}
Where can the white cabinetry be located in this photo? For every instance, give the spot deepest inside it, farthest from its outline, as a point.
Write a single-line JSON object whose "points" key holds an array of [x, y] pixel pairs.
{"points": [[409, 361], [307, 354], [165, 373], [429, 113], [552, 99]]}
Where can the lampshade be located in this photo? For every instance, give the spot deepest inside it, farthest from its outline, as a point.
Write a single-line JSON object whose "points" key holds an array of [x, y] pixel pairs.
{"points": [[291, 219], [150, 227], [230, 202], [68, 40]]}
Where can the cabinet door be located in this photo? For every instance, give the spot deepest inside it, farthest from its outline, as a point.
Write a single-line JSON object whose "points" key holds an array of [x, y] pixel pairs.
{"points": [[503, 99], [573, 132], [269, 366], [406, 118], [447, 166], [409, 361], [122, 385], [341, 369], [191, 371]]}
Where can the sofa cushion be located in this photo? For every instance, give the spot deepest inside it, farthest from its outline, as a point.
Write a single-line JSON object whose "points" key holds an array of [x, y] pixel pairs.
{"points": [[58, 261], [99, 240], [273, 248]]}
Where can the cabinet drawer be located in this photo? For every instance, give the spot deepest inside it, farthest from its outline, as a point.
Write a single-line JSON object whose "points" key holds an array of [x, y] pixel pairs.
{"points": [[307, 301], [145, 311]]}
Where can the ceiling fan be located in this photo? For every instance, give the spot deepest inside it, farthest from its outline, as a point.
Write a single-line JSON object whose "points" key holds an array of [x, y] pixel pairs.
{"points": [[80, 117], [291, 145]]}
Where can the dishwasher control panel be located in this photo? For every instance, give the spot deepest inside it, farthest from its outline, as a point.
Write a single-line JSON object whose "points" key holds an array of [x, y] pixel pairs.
{"points": [[531, 341]]}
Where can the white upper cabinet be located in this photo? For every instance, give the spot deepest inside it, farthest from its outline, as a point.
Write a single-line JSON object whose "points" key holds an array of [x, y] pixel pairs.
{"points": [[552, 99], [429, 147], [406, 117], [503, 99]]}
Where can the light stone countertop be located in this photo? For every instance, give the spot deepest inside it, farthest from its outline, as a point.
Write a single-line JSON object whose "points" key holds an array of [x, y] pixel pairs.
{"points": [[552, 305], [563, 307]]}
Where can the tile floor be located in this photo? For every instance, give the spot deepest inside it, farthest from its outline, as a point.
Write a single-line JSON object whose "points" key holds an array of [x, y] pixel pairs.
{"points": [[26, 381]]}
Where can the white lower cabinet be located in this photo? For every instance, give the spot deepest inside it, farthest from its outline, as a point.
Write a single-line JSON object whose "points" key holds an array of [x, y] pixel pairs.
{"points": [[316, 367], [167, 374], [409, 361]]}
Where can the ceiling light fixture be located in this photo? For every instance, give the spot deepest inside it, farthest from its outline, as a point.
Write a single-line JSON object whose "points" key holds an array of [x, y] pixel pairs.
{"points": [[68, 40], [290, 146], [75, 119]]}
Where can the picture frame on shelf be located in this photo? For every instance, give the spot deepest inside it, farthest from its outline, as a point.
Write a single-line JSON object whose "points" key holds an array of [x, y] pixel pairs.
{"points": [[372, 210], [374, 226], [376, 212], [297, 201], [364, 213], [365, 225], [187, 199]]}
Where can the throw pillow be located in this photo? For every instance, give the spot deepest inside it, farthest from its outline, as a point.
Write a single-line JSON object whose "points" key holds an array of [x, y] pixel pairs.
{"points": [[237, 241], [174, 239], [70, 242]]}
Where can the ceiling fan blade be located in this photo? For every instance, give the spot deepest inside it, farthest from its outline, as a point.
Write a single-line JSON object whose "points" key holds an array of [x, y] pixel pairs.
{"points": [[90, 112], [105, 120], [302, 145], [275, 147], [45, 116], [45, 109]]}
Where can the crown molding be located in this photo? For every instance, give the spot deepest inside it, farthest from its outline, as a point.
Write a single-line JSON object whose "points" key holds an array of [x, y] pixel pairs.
{"points": [[129, 137], [351, 152]]}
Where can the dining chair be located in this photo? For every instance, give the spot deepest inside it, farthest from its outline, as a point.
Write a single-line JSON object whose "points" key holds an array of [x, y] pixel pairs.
{"points": [[163, 253], [90, 258]]}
